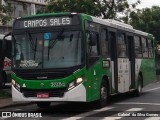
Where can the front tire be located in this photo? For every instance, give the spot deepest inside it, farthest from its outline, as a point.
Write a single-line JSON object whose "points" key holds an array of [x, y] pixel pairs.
{"points": [[102, 102], [43, 104]]}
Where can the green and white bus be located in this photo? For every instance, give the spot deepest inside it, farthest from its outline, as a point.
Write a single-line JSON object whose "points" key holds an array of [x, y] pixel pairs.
{"points": [[79, 58]]}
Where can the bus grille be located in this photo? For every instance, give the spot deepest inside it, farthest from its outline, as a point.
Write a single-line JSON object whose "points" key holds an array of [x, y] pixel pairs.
{"points": [[48, 76], [52, 93]]}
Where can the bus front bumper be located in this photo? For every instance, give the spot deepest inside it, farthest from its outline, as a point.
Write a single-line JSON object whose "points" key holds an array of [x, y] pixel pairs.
{"points": [[77, 94]]}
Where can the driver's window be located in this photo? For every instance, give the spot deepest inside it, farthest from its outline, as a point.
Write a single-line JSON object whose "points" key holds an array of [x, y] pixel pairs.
{"points": [[92, 49]]}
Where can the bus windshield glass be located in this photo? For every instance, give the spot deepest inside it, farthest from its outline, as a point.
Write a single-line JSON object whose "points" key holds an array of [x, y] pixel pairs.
{"points": [[61, 49]]}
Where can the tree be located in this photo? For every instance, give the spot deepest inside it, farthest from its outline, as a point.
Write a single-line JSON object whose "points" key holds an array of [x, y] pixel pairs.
{"points": [[147, 20], [3, 14], [100, 8]]}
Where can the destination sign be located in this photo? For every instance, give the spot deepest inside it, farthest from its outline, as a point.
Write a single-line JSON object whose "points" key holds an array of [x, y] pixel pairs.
{"points": [[45, 22]]}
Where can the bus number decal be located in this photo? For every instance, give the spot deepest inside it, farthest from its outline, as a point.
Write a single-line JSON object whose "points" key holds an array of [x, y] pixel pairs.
{"points": [[57, 84]]}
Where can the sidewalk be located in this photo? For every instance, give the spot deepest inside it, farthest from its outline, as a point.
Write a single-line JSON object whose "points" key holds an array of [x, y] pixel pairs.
{"points": [[7, 102]]}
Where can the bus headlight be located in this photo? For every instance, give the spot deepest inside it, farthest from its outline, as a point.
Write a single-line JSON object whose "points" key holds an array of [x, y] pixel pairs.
{"points": [[79, 80], [16, 85], [13, 82], [75, 83]]}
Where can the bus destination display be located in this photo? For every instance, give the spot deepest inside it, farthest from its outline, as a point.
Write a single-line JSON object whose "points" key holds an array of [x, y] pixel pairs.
{"points": [[43, 22]]}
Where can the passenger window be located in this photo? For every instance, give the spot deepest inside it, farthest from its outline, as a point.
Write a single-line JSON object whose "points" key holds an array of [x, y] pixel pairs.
{"points": [[137, 44], [104, 43], [121, 45], [92, 49], [150, 48], [144, 48]]}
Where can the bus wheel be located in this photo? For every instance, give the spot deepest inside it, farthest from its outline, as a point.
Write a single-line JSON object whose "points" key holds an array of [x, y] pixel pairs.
{"points": [[43, 104], [102, 102], [138, 91]]}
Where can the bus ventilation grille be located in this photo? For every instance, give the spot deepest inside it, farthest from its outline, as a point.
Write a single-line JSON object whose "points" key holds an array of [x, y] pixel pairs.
{"points": [[52, 93], [46, 76]]}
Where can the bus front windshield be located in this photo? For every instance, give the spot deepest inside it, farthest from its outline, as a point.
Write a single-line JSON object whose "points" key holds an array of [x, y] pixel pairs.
{"points": [[59, 49]]}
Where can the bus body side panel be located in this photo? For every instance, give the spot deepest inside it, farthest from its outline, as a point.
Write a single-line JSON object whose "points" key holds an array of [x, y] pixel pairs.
{"points": [[148, 71], [123, 75], [94, 77]]}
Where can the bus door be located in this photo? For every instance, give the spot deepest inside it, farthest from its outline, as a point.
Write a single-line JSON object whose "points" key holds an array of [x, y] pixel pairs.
{"points": [[114, 63], [123, 63], [131, 53]]}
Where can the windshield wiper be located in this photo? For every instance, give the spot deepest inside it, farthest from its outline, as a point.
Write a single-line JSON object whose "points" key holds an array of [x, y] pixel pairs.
{"points": [[53, 42], [34, 48], [31, 41]]}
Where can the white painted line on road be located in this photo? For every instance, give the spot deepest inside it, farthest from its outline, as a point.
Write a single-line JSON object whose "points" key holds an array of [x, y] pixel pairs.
{"points": [[111, 118], [121, 113], [18, 109], [153, 118], [136, 103], [104, 109], [152, 89], [135, 109], [79, 116]]}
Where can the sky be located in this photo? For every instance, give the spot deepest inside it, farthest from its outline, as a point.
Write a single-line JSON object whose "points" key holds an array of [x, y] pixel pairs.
{"points": [[146, 3]]}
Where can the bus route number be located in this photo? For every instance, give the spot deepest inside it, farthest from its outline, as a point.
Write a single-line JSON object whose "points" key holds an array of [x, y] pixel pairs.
{"points": [[57, 84]]}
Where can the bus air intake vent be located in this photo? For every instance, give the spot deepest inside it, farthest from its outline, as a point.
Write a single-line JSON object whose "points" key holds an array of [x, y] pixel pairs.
{"points": [[52, 93], [41, 76]]}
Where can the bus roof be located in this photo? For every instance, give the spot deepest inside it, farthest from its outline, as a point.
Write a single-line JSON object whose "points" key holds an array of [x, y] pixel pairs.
{"points": [[108, 22], [118, 25]]}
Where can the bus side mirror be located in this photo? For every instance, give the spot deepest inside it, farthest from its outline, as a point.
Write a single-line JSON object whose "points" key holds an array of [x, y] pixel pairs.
{"points": [[93, 39]]}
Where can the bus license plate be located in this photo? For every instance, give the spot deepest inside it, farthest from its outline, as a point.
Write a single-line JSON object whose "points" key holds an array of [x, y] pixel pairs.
{"points": [[42, 95]]}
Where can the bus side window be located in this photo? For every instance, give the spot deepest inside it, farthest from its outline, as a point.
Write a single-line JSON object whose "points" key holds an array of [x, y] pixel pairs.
{"points": [[137, 44], [92, 49], [104, 43], [144, 48], [150, 49], [121, 45]]}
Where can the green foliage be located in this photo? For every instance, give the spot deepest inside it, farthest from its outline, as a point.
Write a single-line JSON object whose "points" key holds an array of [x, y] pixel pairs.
{"points": [[84, 6], [100, 8], [147, 20], [3, 15]]}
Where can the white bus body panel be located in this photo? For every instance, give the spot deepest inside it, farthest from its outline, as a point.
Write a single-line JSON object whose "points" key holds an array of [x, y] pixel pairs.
{"points": [[76, 94]]}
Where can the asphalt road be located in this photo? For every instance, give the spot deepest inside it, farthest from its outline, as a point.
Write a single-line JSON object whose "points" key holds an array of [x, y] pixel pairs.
{"points": [[121, 107]]}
